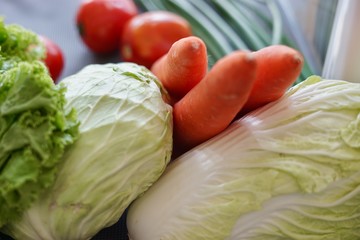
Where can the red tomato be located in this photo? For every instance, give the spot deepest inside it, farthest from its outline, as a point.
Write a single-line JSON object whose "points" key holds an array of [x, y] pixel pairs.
{"points": [[100, 22], [54, 58], [148, 36]]}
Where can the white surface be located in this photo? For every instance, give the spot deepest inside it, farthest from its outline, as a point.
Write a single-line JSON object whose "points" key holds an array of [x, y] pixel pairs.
{"points": [[343, 55]]}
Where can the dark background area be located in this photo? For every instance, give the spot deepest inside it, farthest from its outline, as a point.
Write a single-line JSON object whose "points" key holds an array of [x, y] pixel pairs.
{"points": [[55, 19]]}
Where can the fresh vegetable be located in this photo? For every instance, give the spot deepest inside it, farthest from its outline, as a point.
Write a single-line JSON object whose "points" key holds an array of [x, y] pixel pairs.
{"points": [[184, 66], [54, 58], [227, 26], [148, 36], [35, 128], [18, 44], [209, 107], [279, 66], [125, 143], [216, 40], [101, 22], [290, 170]]}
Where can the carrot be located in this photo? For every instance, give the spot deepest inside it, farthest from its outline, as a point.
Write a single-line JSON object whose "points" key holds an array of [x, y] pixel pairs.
{"points": [[182, 67], [279, 66], [209, 107]]}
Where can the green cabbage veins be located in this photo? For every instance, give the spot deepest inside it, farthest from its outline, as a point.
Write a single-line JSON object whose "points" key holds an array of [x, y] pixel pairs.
{"points": [[125, 143]]}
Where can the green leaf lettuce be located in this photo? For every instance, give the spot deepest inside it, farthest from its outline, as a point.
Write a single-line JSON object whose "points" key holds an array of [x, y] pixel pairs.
{"points": [[35, 129]]}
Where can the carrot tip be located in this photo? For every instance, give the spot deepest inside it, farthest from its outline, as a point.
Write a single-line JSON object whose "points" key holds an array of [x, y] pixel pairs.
{"points": [[195, 45], [297, 59], [250, 57]]}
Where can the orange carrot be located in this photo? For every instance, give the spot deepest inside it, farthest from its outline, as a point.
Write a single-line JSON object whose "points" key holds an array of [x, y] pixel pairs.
{"points": [[278, 68], [182, 67], [209, 107]]}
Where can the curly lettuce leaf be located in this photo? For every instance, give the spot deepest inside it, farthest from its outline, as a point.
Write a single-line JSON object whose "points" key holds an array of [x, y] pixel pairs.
{"points": [[35, 129], [18, 44]]}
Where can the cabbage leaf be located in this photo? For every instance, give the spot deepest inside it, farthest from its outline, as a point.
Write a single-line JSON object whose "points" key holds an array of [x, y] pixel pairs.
{"points": [[124, 146], [289, 170]]}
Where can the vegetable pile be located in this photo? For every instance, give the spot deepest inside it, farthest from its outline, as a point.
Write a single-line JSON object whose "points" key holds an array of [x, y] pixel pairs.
{"points": [[206, 102], [124, 145], [227, 26], [289, 170], [106, 26], [220, 126], [144, 30]]}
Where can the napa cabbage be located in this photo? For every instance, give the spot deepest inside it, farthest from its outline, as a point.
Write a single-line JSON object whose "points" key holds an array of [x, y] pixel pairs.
{"points": [[289, 170]]}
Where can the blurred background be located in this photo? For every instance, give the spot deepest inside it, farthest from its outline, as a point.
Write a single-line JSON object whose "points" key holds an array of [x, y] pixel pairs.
{"points": [[307, 25]]}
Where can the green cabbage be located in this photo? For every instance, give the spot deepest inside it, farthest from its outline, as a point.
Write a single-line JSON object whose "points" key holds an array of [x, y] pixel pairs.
{"points": [[35, 129], [125, 143], [290, 170]]}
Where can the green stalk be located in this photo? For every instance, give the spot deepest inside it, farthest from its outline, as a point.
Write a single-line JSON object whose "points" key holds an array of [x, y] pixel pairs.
{"points": [[146, 5], [263, 31], [277, 22], [202, 22], [255, 10], [237, 19], [205, 9]]}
